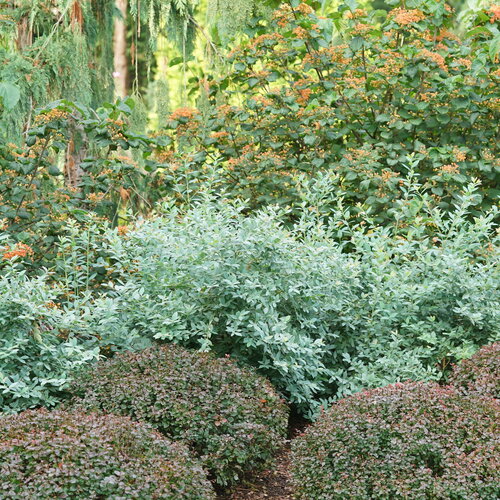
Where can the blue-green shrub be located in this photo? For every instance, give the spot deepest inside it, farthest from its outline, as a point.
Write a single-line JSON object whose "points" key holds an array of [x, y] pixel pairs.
{"points": [[322, 309], [47, 331]]}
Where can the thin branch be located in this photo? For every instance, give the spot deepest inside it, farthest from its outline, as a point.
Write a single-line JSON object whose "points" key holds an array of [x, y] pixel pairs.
{"points": [[207, 38]]}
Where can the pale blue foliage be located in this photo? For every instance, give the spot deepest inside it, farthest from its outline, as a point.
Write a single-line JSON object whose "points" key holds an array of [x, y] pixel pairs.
{"points": [[319, 317]]}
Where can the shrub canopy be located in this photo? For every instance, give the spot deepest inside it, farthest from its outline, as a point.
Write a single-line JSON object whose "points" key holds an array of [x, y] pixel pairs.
{"points": [[412, 440], [231, 418], [318, 318], [72, 455], [357, 93], [481, 373]]}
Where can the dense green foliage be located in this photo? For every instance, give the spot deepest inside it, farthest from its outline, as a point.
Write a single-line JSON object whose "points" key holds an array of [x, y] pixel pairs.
{"points": [[44, 338], [318, 219], [319, 318], [70, 455], [35, 204], [51, 324], [481, 373], [231, 418], [357, 93], [323, 309], [411, 440]]}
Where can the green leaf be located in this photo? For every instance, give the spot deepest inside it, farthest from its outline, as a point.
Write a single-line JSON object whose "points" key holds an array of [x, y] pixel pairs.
{"points": [[10, 94], [351, 4], [494, 47], [253, 81], [123, 106], [356, 43], [175, 61], [53, 170]]}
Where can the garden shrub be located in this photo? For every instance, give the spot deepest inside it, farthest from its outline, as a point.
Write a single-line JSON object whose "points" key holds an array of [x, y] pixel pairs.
{"points": [[356, 92], [36, 355], [479, 374], [323, 308], [412, 440], [71, 455], [320, 319], [231, 418], [48, 329], [38, 197]]}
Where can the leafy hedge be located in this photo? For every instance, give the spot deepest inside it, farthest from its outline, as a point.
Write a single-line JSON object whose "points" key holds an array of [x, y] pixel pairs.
{"points": [[357, 92], [231, 418], [319, 318], [481, 373], [71, 455], [412, 440], [36, 356]]}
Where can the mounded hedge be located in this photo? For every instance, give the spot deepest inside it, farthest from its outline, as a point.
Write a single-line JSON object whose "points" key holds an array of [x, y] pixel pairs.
{"points": [[481, 373], [232, 418], [411, 440], [70, 455]]}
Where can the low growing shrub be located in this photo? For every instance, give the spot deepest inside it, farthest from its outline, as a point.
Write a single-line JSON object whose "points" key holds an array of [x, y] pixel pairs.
{"points": [[231, 418], [69, 455], [412, 440], [481, 373]]}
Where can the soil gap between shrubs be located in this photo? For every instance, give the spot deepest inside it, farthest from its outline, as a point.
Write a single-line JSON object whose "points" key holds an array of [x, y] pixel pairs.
{"points": [[274, 481]]}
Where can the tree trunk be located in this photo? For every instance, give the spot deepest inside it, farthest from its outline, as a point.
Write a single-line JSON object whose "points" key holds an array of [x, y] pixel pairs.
{"points": [[75, 154], [24, 34], [120, 50]]}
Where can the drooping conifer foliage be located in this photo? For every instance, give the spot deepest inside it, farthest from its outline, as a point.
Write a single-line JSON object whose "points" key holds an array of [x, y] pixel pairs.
{"points": [[54, 49]]}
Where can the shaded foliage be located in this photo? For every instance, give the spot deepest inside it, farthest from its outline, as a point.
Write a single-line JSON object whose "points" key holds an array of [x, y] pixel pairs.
{"points": [[231, 418], [412, 440], [38, 189]]}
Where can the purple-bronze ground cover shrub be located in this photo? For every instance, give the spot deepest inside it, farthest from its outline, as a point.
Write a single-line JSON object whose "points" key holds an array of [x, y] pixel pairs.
{"points": [[481, 373], [232, 418], [411, 440], [70, 455]]}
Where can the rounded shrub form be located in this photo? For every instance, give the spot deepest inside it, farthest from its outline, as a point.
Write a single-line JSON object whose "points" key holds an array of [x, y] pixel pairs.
{"points": [[232, 418], [59, 454], [481, 373], [403, 441]]}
